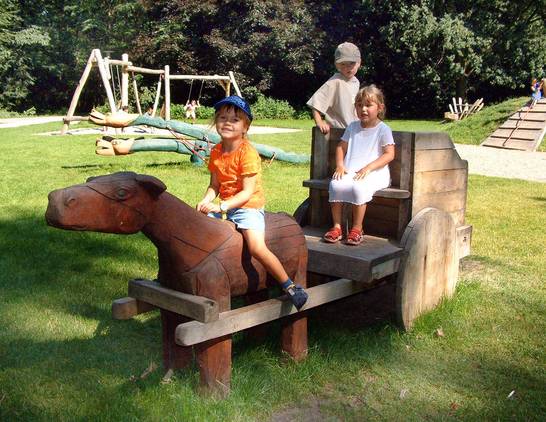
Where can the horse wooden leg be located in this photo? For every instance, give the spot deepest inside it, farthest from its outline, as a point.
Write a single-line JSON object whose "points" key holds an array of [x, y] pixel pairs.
{"points": [[294, 328], [174, 356], [214, 360], [214, 356], [258, 333]]}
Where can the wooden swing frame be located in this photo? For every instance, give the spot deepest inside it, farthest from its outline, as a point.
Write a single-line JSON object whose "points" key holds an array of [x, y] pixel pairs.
{"points": [[103, 64]]}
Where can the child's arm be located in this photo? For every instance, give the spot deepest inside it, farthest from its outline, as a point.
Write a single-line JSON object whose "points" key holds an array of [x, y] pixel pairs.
{"points": [[322, 125], [341, 151], [383, 160], [206, 205]]}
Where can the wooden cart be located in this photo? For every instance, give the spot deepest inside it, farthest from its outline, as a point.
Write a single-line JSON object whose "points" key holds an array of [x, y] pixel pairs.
{"points": [[416, 235]]}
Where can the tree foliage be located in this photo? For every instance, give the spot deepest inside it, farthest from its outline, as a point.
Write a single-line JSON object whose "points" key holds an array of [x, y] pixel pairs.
{"points": [[421, 52]]}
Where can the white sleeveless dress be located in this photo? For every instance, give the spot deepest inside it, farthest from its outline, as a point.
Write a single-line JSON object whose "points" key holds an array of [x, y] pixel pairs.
{"points": [[365, 146]]}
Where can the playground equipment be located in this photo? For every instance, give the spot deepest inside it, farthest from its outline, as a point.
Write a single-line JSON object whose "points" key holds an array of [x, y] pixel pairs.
{"points": [[458, 111], [202, 261], [524, 130], [198, 148], [111, 69], [419, 236]]}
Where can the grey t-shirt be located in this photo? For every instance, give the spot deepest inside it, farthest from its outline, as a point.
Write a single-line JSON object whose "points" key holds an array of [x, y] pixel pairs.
{"points": [[335, 99]]}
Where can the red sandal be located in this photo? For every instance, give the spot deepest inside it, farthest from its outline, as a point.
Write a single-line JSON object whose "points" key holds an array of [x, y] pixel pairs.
{"points": [[355, 237], [333, 235]]}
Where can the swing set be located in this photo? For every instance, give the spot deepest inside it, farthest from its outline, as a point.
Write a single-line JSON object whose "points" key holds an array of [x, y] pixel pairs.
{"points": [[115, 78]]}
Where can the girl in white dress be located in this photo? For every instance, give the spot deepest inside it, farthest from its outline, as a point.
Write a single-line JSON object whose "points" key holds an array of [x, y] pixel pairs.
{"points": [[362, 155]]}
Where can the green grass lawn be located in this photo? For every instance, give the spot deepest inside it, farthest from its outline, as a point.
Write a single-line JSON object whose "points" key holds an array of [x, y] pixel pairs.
{"points": [[62, 357]]}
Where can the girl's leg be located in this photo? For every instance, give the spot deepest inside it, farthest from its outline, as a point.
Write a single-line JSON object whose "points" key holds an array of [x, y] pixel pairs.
{"points": [[255, 241], [358, 216], [337, 210]]}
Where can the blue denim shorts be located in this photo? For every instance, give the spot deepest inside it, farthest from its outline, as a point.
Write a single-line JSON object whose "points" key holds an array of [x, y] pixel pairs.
{"points": [[245, 218]]}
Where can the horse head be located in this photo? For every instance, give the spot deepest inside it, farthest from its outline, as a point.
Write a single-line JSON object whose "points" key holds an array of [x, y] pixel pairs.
{"points": [[115, 203]]}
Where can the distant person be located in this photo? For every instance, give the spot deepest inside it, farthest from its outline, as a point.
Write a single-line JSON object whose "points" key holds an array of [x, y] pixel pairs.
{"points": [[335, 98], [536, 91], [149, 112], [362, 155], [190, 108]]}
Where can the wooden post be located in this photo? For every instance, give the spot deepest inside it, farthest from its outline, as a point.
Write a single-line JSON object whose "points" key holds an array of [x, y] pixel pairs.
{"points": [[104, 77], [78, 91], [157, 94], [232, 80], [167, 93], [125, 82], [137, 99]]}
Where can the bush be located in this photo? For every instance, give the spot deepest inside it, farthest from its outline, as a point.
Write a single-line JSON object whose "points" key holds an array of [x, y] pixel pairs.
{"points": [[270, 108], [205, 112]]}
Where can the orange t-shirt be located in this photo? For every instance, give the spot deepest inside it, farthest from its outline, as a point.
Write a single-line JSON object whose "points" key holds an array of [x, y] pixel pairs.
{"points": [[230, 169]]}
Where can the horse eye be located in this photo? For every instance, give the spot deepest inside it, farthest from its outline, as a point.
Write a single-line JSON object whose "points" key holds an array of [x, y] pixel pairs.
{"points": [[121, 193]]}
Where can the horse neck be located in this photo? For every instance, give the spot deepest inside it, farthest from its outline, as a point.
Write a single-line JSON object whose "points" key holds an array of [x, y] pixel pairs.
{"points": [[182, 234]]}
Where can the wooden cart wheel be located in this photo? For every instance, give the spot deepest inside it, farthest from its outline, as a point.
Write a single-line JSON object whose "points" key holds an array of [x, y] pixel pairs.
{"points": [[430, 268], [302, 213]]}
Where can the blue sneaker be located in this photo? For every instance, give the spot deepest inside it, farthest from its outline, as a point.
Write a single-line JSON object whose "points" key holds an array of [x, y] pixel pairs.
{"points": [[297, 295]]}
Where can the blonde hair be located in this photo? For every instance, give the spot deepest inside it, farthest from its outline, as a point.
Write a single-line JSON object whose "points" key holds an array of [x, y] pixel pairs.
{"points": [[374, 94], [238, 112]]}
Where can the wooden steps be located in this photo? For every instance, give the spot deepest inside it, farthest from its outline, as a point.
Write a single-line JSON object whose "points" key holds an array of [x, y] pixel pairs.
{"points": [[524, 130]]}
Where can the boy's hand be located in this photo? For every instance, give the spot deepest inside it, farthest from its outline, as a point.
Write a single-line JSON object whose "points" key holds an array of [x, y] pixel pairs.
{"points": [[361, 174], [339, 172], [324, 127]]}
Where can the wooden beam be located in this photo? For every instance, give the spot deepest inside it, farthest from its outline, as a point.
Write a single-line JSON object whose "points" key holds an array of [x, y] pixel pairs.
{"points": [[124, 82], [229, 322], [137, 69], [232, 79], [157, 94], [128, 307], [167, 93], [122, 62], [200, 77], [77, 92], [75, 119], [197, 307], [106, 83]]}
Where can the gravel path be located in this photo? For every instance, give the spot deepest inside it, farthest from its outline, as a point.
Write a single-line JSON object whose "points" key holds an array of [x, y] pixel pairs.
{"points": [[506, 163], [486, 161]]}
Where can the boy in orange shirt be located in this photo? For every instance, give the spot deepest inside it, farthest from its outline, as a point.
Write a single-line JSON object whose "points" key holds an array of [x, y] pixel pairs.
{"points": [[235, 175]]}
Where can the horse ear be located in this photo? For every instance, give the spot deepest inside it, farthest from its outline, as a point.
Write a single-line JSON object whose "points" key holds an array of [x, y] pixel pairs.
{"points": [[90, 178], [155, 186]]}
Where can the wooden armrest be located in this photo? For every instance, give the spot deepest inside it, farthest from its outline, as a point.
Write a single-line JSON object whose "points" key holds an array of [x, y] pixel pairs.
{"points": [[322, 184]]}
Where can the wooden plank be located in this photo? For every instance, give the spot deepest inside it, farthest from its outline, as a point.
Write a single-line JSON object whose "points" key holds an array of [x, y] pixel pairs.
{"points": [[128, 307], [380, 227], [322, 184], [340, 260], [429, 270], [406, 141], [442, 159], [229, 322], [319, 158], [197, 307], [523, 124], [447, 201], [439, 181], [531, 116], [432, 140], [522, 134], [464, 240], [383, 212], [509, 144]]}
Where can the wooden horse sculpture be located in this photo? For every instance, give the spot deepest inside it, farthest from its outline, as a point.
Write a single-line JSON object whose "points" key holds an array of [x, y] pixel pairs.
{"points": [[197, 255]]}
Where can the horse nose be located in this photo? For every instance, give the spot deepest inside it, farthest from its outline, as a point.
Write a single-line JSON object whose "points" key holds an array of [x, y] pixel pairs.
{"points": [[52, 212], [69, 200]]}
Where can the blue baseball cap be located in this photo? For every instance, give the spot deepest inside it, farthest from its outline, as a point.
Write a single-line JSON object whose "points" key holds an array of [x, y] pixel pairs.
{"points": [[236, 101]]}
